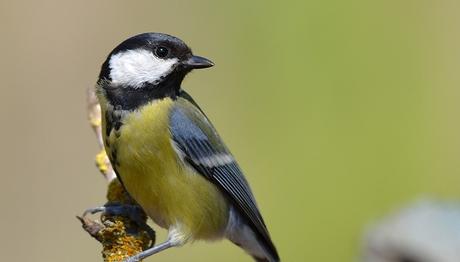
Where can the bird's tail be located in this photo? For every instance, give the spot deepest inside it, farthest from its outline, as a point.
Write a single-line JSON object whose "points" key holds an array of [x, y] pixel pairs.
{"points": [[241, 234], [245, 238]]}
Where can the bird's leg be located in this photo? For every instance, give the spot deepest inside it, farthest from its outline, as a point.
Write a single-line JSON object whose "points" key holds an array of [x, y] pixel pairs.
{"points": [[151, 251], [133, 212]]}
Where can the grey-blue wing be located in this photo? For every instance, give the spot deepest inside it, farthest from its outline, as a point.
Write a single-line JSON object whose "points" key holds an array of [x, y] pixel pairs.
{"points": [[203, 149]]}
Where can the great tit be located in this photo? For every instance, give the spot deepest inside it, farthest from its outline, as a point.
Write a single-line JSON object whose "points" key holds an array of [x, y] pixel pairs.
{"points": [[168, 155]]}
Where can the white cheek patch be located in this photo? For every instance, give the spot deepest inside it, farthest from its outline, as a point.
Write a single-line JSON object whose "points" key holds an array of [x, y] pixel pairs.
{"points": [[136, 67]]}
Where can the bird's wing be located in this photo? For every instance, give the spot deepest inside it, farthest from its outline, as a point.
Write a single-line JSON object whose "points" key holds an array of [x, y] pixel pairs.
{"points": [[201, 147]]}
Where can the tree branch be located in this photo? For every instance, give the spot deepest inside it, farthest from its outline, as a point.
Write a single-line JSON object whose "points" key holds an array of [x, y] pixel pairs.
{"points": [[120, 236]]}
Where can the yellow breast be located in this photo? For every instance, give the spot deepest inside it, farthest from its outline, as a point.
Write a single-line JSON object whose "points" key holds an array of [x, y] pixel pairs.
{"points": [[171, 193]]}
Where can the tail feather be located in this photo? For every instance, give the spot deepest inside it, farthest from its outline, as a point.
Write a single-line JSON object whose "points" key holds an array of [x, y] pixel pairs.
{"points": [[241, 234]]}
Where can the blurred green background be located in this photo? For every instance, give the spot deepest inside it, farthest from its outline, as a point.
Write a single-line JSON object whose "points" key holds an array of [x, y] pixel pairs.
{"points": [[338, 111]]}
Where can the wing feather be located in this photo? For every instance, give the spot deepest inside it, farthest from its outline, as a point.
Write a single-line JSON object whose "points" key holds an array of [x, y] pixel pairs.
{"points": [[203, 149]]}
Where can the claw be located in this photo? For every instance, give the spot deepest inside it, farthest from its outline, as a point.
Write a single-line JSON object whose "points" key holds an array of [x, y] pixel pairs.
{"points": [[93, 211]]}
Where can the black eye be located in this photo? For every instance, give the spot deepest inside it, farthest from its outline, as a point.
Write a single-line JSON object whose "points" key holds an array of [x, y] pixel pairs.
{"points": [[161, 51]]}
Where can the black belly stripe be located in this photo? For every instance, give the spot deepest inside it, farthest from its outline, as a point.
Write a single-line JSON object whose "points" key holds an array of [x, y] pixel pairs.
{"points": [[113, 122], [109, 124], [113, 119], [114, 156]]}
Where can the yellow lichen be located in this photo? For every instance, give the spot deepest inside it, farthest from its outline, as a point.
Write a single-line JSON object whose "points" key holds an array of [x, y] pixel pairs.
{"points": [[95, 122], [101, 161], [118, 245]]}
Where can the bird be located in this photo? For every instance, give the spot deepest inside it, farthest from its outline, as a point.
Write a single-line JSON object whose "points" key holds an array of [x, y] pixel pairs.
{"points": [[168, 155]]}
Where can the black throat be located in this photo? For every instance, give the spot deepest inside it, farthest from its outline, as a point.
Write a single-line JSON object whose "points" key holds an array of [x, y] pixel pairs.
{"points": [[129, 98]]}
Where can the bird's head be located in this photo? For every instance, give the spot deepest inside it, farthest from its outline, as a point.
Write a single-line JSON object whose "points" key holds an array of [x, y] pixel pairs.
{"points": [[150, 65]]}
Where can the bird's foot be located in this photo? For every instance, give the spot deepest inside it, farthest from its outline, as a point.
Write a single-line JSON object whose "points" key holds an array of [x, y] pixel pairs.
{"points": [[133, 212]]}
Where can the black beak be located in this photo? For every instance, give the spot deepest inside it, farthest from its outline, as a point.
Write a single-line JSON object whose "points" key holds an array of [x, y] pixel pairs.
{"points": [[197, 62]]}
